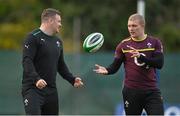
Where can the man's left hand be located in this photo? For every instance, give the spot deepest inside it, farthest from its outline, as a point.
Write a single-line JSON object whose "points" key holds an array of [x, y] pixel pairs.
{"points": [[134, 52], [78, 82]]}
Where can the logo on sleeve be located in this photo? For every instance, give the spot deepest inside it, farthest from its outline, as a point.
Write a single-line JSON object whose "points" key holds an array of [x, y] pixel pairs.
{"points": [[26, 46], [161, 48], [58, 44]]}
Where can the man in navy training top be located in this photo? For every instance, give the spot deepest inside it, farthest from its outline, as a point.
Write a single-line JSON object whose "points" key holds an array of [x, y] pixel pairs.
{"points": [[142, 55], [42, 58]]}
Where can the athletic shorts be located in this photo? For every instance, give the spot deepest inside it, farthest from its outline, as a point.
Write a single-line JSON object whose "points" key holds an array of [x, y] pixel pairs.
{"points": [[40, 102], [136, 100]]}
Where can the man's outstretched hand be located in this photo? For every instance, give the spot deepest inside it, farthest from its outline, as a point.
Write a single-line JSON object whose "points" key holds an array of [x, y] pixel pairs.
{"points": [[100, 69]]}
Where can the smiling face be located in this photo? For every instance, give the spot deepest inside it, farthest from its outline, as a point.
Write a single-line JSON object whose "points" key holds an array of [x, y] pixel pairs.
{"points": [[50, 21], [56, 24], [136, 25]]}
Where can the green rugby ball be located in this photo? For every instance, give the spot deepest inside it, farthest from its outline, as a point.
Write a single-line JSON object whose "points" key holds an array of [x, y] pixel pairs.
{"points": [[93, 42]]}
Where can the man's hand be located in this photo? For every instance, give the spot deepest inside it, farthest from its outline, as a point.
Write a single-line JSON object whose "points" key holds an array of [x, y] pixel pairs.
{"points": [[134, 52], [41, 83], [78, 82], [100, 69]]}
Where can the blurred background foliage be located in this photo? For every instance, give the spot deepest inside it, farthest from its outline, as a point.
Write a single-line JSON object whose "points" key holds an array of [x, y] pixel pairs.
{"points": [[18, 17]]}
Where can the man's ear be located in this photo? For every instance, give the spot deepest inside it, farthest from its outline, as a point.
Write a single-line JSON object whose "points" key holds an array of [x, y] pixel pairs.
{"points": [[50, 20]]}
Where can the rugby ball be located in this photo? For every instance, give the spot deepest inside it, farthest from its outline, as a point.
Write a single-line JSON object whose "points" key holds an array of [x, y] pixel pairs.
{"points": [[93, 42]]}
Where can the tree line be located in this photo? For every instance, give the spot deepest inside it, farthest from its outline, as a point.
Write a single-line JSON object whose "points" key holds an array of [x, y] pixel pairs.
{"points": [[18, 17]]}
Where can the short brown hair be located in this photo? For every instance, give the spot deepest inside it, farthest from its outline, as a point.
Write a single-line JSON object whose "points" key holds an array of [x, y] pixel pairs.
{"points": [[138, 17], [47, 13]]}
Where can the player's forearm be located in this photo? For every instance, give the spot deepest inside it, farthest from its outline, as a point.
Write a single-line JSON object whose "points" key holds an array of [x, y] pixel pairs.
{"points": [[113, 68], [65, 73], [29, 69], [157, 61], [63, 69]]}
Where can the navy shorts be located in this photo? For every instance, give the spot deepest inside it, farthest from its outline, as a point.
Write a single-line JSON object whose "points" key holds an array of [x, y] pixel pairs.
{"points": [[136, 100], [39, 102]]}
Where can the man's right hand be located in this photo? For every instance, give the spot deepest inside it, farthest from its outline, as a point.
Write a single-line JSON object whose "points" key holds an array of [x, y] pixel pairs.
{"points": [[100, 69], [41, 83]]}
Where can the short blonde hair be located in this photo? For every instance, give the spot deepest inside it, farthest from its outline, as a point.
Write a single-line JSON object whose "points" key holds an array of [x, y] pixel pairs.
{"points": [[138, 17]]}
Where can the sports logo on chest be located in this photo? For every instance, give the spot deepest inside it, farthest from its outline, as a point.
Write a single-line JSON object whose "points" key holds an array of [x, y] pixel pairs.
{"points": [[43, 40], [149, 45]]}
